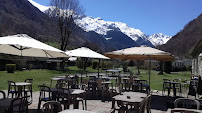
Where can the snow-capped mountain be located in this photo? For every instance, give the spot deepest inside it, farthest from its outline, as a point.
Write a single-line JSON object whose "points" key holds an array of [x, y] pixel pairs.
{"points": [[159, 39], [102, 27], [109, 30]]}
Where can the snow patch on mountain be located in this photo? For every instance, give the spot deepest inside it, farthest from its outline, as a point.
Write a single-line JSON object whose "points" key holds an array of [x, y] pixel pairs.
{"points": [[159, 39], [39, 6]]}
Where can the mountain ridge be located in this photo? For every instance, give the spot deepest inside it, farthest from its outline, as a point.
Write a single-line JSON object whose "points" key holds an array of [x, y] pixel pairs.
{"points": [[102, 27]]}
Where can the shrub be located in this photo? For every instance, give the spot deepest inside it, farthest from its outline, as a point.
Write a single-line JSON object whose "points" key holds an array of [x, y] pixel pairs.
{"points": [[95, 65], [125, 66], [10, 68]]}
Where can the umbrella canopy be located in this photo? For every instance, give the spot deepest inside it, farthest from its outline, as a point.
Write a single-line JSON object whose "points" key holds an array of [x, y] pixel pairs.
{"points": [[84, 52], [24, 45], [140, 53]]}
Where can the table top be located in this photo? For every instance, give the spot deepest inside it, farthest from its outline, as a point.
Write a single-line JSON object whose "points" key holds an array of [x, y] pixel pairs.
{"points": [[76, 111], [77, 91], [132, 97], [107, 82], [22, 84], [136, 94], [125, 78], [113, 70], [190, 110], [55, 78]]}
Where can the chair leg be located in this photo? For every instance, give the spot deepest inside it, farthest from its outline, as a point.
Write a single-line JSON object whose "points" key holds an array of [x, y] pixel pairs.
{"points": [[39, 105], [83, 104]]}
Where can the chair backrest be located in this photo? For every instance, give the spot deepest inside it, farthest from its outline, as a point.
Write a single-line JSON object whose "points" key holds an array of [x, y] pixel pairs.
{"points": [[166, 83], [177, 80], [144, 104], [19, 105], [85, 81], [99, 84], [3, 94], [29, 80], [186, 103], [52, 107], [11, 85], [44, 91]]}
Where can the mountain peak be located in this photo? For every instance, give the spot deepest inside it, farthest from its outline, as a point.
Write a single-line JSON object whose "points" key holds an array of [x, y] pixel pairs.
{"points": [[159, 39]]}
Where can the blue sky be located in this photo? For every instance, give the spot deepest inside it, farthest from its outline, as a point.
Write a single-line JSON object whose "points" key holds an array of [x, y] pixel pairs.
{"points": [[150, 16]]}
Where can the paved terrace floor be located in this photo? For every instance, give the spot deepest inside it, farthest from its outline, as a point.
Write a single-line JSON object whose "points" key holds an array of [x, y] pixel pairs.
{"points": [[159, 104]]}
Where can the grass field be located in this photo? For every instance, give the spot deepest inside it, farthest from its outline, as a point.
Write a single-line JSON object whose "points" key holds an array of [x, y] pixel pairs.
{"points": [[43, 76], [156, 80]]}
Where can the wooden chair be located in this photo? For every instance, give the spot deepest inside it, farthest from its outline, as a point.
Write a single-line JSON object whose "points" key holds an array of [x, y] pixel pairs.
{"points": [[12, 89], [3, 93], [19, 105], [143, 107], [28, 89], [45, 95], [52, 107], [186, 103], [178, 86], [120, 84], [144, 86], [100, 88], [166, 85]]}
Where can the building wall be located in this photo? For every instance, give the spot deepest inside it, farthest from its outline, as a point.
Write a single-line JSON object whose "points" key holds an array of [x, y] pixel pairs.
{"points": [[197, 66]]}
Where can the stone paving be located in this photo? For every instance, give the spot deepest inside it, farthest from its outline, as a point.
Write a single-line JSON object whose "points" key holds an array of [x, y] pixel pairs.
{"points": [[158, 104], [102, 107]]}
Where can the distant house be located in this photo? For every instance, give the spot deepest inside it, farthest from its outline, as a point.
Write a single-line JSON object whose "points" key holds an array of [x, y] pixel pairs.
{"points": [[197, 59]]}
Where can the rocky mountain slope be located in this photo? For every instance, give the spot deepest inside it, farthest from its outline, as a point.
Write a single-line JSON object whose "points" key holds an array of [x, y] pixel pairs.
{"points": [[184, 42]]}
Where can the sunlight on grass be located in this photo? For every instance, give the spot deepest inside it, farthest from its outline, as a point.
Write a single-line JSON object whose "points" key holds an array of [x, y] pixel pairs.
{"points": [[43, 76]]}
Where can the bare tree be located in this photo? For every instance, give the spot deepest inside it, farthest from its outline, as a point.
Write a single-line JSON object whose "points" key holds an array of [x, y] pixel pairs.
{"points": [[66, 12]]}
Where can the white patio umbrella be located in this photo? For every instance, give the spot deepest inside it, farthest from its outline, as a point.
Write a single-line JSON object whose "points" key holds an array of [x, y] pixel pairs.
{"points": [[24, 45], [141, 53], [84, 52]]}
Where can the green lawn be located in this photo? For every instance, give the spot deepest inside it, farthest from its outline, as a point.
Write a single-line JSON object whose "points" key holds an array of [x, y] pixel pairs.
{"points": [[43, 76], [39, 76], [156, 80]]}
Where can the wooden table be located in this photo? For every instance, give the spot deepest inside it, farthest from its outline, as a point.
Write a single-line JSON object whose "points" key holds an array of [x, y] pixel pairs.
{"points": [[20, 85], [4, 104], [106, 91], [174, 87], [76, 111], [113, 71], [177, 110], [76, 93], [125, 80], [134, 98]]}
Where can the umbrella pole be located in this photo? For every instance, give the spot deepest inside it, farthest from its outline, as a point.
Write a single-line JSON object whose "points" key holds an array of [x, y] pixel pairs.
{"points": [[149, 69], [82, 69], [99, 68]]}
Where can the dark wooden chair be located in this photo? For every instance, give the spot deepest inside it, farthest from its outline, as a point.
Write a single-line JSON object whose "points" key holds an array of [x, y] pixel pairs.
{"points": [[12, 89], [166, 86], [143, 107], [187, 103], [18, 105], [45, 95], [52, 107], [178, 86], [3, 93], [28, 89]]}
